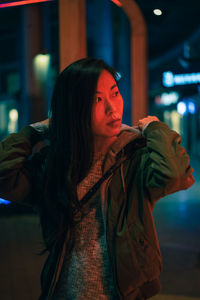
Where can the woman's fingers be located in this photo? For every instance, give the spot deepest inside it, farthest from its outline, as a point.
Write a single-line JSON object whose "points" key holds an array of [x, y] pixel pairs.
{"points": [[145, 121]]}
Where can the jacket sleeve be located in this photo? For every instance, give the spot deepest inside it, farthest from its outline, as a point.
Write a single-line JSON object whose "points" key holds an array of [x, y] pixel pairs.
{"points": [[15, 164], [166, 168]]}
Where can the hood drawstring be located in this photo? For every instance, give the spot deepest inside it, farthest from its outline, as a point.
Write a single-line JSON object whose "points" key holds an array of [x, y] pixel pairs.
{"points": [[122, 177], [122, 174]]}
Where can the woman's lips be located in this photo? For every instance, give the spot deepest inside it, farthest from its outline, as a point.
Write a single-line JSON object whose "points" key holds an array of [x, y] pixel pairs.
{"points": [[114, 122]]}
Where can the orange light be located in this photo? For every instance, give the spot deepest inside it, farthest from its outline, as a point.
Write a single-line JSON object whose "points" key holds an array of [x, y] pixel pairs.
{"points": [[117, 2], [17, 3]]}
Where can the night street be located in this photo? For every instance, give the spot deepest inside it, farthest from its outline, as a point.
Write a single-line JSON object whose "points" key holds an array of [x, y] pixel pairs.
{"points": [[178, 226]]}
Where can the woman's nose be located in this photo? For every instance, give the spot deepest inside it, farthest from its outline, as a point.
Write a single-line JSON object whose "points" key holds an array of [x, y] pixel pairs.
{"points": [[110, 105]]}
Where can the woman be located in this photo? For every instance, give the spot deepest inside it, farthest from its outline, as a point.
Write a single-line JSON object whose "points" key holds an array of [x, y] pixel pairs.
{"points": [[95, 185]]}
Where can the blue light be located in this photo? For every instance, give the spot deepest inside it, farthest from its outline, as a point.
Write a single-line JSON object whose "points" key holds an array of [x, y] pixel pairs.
{"points": [[5, 202], [191, 107], [168, 79], [181, 108], [118, 76]]}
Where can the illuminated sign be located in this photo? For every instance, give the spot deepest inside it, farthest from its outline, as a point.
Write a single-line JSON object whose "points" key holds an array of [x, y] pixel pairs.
{"points": [[21, 2], [167, 98], [169, 79], [117, 2]]}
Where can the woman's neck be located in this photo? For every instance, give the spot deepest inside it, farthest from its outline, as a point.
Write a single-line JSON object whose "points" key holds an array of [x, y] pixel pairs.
{"points": [[101, 144]]}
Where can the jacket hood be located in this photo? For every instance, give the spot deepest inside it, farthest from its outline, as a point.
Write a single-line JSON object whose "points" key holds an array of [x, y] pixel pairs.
{"points": [[126, 135]]}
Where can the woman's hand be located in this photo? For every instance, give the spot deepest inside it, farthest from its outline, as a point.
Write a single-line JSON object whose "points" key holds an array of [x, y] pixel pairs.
{"points": [[143, 123], [45, 122]]}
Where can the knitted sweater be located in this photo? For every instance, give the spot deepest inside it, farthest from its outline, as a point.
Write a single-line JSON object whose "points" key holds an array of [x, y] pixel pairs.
{"points": [[87, 272]]}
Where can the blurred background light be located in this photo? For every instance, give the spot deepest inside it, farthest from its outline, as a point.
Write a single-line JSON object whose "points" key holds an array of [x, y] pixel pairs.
{"points": [[176, 121], [191, 107], [13, 115], [18, 3], [167, 116], [168, 79], [118, 76], [117, 2], [2, 201], [41, 65], [13, 120], [169, 98], [173, 119], [157, 12], [181, 108]]}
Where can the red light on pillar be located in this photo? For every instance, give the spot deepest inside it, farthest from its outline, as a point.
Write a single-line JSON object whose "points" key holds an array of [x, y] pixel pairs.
{"points": [[18, 3], [117, 2]]}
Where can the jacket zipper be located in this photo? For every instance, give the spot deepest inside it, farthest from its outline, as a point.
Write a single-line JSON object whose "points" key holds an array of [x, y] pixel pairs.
{"points": [[106, 203]]}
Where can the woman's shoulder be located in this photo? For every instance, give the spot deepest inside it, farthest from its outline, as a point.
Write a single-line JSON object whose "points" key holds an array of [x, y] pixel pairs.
{"points": [[135, 149], [37, 162]]}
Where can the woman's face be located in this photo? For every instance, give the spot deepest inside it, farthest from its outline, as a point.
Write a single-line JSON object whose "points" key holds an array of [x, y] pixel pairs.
{"points": [[107, 108]]}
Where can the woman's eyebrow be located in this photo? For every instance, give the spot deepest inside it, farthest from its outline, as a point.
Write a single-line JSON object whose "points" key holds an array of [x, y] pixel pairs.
{"points": [[112, 87]]}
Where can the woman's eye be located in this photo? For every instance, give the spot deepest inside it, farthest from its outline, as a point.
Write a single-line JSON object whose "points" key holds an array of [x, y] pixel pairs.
{"points": [[115, 93], [98, 99]]}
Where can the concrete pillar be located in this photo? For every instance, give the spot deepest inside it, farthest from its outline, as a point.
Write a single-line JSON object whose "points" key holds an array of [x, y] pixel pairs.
{"points": [[72, 31], [138, 59], [33, 94]]}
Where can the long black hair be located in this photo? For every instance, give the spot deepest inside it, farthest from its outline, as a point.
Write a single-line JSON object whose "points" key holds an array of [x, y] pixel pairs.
{"points": [[71, 141]]}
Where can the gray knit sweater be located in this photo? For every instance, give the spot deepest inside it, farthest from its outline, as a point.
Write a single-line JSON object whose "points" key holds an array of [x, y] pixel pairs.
{"points": [[86, 273]]}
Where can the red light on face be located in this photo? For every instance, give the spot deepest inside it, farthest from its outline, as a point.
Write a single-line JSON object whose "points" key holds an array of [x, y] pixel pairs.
{"points": [[117, 2], [18, 3]]}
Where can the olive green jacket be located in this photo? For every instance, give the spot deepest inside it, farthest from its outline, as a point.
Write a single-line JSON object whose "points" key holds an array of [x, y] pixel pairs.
{"points": [[153, 165]]}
